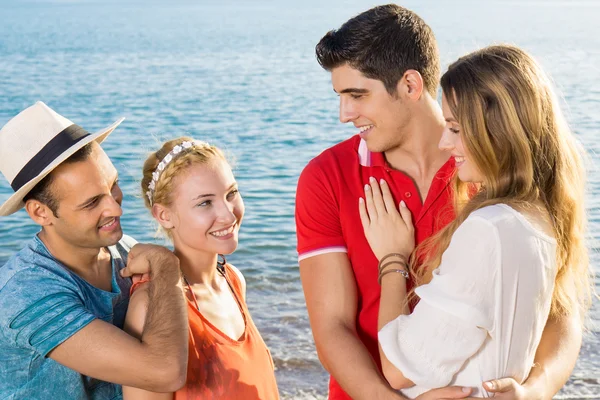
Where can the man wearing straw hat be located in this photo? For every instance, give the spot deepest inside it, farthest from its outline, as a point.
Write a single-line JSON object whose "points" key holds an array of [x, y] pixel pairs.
{"points": [[63, 298]]}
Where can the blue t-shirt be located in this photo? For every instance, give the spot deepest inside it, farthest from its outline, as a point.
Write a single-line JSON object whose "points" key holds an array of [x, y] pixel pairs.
{"points": [[42, 304]]}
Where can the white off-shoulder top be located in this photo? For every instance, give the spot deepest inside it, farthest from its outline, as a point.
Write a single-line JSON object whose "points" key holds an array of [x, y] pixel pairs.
{"points": [[482, 315]]}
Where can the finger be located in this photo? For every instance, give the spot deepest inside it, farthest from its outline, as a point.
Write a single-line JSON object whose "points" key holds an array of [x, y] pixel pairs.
{"points": [[364, 215], [377, 197], [451, 392], [369, 202], [388, 199], [136, 250], [125, 272], [406, 214], [500, 385]]}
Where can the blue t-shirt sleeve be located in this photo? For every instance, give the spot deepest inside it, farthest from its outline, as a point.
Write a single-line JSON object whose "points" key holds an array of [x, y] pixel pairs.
{"points": [[39, 311]]}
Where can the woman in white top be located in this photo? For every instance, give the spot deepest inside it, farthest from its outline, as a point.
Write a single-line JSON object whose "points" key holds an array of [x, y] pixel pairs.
{"points": [[515, 252]]}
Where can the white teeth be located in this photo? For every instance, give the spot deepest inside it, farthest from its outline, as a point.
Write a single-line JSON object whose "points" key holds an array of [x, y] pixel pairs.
{"points": [[364, 128], [223, 232], [459, 159], [109, 224]]}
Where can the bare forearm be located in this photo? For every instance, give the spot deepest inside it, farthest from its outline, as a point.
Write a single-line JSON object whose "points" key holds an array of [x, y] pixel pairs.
{"points": [[166, 328], [391, 305], [345, 357], [393, 299], [555, 357]]}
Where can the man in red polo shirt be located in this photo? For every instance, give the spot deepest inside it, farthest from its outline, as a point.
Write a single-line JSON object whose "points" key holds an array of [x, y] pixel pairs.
{"points": [[384, 66]]}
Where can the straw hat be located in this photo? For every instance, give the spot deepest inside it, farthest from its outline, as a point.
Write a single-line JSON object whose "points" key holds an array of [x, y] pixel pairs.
{"points": [[35, 142]]}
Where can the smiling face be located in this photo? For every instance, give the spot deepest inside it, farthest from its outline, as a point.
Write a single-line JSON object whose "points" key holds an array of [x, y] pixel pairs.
{"points": [[207, 209], [380, 117], [89, 202], [452, 142]]}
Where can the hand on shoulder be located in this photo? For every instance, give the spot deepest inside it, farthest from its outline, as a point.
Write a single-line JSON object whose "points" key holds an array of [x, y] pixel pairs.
{"points": [[149, 259]]}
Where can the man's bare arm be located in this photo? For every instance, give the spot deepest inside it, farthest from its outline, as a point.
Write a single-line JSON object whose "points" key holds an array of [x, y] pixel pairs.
{"points": [[554, 362], [331, 299], [134, 325], [159, 361]]}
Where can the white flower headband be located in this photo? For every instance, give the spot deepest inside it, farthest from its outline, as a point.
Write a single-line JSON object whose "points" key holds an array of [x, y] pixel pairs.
{"points": [[165, 161]]}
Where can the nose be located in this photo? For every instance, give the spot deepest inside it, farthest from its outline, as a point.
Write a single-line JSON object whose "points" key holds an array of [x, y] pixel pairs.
{"points": [[226, 213], [348, 110], [446, 141], [113, 203]]}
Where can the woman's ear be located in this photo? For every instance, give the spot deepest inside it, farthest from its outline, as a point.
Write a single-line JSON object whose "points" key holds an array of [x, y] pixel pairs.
{"points": [[163, 215]]}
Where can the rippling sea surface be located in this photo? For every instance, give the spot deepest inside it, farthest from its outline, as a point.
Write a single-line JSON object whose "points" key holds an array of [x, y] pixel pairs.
{"points": [[242, 74]]}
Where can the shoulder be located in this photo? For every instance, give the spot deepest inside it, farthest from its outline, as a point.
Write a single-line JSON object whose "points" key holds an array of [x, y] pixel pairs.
{"points": [[32, 267], [240, 278], [333, 156]]}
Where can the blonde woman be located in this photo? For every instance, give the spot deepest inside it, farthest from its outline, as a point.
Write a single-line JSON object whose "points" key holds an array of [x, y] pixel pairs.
{"points": [[191, 192], [515, 253]]}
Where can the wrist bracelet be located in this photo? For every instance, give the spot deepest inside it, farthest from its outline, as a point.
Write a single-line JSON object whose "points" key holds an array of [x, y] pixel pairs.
{"points": [[400, 256], [402, 272], [401, 262]]}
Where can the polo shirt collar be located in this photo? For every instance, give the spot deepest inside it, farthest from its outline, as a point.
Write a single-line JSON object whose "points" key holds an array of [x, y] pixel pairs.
{"points": [[367, 158]]}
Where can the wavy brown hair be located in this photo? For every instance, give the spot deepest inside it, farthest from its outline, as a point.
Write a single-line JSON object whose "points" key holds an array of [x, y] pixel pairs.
{"points": [[514, 131]]}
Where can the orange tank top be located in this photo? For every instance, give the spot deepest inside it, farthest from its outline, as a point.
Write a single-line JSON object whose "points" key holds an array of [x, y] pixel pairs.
{"points": [[226, 369]]}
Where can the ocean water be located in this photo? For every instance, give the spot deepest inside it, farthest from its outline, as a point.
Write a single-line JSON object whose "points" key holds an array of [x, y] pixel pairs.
{"points": [[242, 74]]}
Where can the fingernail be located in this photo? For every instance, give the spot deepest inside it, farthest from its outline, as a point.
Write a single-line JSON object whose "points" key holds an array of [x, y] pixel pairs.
{"points": [[489, 385], [381, 182], [402, 203], [366, 188], [372, 179], [466, 389], [361, 200]]}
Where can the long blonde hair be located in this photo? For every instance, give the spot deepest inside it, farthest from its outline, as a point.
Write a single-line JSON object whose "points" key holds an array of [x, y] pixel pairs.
{"points": [[514, 131]]}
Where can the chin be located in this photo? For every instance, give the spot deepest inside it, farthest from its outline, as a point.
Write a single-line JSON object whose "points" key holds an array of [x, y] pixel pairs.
{"points": [[228, 249], [113, 239]]}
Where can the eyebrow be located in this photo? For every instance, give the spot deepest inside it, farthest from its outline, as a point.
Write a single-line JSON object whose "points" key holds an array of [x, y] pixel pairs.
{"points": [[96, 197], [353, 90], [201, 196], [450, 119]]}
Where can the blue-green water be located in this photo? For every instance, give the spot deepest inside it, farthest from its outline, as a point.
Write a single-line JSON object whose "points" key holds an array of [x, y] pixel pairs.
{"points": [[243, 75]]}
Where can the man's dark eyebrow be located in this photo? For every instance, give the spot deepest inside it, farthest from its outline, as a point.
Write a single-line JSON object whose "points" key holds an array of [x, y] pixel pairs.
{"points": [[353, 90]]}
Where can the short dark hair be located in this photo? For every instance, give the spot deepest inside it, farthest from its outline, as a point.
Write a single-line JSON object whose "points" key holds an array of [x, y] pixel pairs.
{"points": [[383, 43], [42, 192]]}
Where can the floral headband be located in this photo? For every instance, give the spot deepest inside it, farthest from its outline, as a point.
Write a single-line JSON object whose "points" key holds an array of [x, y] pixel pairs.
{"points": [[165, 161]]}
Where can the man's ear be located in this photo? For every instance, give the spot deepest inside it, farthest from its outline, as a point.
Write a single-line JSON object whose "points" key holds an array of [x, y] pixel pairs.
{"points": [[163, 215], [40, 213], [411, 85]]}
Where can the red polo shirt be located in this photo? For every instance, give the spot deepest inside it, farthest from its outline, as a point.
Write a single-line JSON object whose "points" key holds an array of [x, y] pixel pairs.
{"points": [[327, 220]]}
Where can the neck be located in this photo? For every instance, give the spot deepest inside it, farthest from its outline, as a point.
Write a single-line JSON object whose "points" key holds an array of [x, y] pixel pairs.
{"points": [[198, 267], [420, 148], [81, 260]]}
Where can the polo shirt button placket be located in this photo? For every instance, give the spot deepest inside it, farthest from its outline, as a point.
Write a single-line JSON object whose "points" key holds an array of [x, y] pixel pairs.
{"points": [[408, 195]]}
